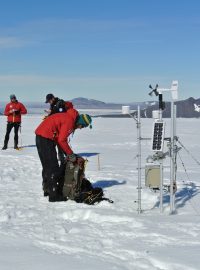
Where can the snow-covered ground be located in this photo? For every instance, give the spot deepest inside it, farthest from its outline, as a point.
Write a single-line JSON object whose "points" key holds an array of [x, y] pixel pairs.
{"points": [[36, 234]]}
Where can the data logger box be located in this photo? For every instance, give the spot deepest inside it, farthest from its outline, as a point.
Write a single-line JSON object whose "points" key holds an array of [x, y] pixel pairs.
{"points": [[152, 175]]}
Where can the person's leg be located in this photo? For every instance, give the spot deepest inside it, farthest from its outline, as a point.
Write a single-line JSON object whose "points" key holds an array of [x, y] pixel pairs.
{"points": [[61, 155], [51, 172], [62, 161], [7, 136], [16, 129], [39, 146], [61, 178], [45, 184]]}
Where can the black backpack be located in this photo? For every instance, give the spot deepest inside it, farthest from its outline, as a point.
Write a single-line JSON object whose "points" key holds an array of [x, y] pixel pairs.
{"points": [[58, 106], [90, 194], [76, 187]]}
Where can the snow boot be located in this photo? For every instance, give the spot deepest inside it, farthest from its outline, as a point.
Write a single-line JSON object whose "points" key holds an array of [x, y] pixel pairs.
{"points": [[16, 146], [58, 198], [4, 147]]}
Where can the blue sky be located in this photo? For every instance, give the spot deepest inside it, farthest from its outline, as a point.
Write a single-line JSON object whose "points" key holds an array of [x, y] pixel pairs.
{"points": [[109, 50]]}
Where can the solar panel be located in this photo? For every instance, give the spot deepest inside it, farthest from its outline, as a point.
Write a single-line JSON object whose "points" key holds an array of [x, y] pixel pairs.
{"points": [[158, 136]]}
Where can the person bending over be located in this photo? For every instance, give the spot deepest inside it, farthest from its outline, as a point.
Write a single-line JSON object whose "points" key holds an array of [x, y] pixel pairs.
{"points": [[54, 130]]}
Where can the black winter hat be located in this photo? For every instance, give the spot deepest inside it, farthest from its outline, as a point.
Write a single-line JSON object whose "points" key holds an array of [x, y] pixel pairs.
{"points": [[49, 97], [12, 96]]}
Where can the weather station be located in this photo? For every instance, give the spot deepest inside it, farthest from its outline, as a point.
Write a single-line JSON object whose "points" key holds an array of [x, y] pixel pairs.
{"points": [[154, 169]]}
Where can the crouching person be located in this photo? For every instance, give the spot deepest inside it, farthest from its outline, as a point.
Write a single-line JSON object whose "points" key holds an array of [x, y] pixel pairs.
{"points": [[53, 131]]}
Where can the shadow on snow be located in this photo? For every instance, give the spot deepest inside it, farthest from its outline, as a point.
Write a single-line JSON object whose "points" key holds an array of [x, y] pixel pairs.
{"points": [[108, 183], [182, 196], [84, 154], [27, 146]]}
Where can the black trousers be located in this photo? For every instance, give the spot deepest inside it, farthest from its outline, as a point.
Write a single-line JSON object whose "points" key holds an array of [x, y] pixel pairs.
{"points": [[10, 125], [61, 155], [52, 174]]}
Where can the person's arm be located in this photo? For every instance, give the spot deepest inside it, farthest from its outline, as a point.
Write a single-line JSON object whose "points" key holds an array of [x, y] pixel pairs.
{"points": [[23, 109], [64, 133], [52, 109], [7, 110]]}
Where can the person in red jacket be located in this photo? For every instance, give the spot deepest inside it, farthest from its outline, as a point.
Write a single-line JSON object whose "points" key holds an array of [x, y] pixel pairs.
{"points": [[13, 111], [54, 130]]}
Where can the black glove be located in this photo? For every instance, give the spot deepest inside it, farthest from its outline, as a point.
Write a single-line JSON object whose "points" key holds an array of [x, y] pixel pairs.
{"points": [[71, 158], [17, 112]]}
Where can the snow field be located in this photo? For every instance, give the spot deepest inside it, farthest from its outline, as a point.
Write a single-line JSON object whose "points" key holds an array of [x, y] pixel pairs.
{"points": [[36, 234]]}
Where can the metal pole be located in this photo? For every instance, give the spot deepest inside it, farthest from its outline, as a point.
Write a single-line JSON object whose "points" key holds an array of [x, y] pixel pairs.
{"points": [[20, 131], [175, 165], [160, 114], [172, 160], [98, 162], [139, 160], [161, 162], [161, 186]]}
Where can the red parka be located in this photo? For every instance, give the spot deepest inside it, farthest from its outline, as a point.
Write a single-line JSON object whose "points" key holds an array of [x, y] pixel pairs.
{"points": [[14, 110], [58, 127]]}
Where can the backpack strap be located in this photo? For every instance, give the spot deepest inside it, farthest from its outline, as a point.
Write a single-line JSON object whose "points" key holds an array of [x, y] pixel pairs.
{"points": [[93, 198], [108, 200]]}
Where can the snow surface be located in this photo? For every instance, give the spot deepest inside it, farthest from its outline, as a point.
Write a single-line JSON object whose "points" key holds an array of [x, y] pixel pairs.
{"points": [[36, 234]]}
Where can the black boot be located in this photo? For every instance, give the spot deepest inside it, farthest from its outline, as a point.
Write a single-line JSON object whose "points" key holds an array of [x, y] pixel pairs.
{"points": [[58, 198], [16, 146], [5, 146], [55, 195], [45, 186]]}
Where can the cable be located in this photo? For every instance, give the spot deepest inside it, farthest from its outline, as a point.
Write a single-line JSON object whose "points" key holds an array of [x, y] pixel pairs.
{"points": [[182, 163], [189, 153], [189, 193]]}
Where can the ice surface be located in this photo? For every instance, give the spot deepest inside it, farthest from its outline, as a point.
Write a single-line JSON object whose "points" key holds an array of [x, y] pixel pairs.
{"points": [[36, 234]]}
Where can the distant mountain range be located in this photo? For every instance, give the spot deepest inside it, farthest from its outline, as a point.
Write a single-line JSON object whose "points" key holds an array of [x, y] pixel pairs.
{"points": [[85, 103], [185, 108], [81, 103]]}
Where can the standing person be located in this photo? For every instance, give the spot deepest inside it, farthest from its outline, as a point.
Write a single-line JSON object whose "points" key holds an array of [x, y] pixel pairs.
{"points": [[13, 111], [56, 129], [57, 105]]}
